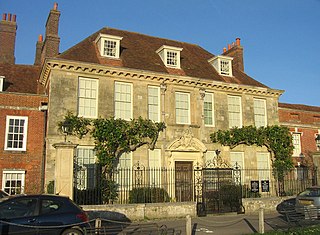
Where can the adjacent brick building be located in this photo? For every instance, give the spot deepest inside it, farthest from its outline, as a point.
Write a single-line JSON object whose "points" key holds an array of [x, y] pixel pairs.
{"points": [[22, 119], [304, 123]]}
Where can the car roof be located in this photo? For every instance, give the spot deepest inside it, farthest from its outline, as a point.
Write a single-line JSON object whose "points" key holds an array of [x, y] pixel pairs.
{"points": [[61, 197]]}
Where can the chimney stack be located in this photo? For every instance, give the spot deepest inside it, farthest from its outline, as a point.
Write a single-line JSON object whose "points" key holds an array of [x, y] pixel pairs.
{"points": [[235, 50], [39, 46], [50, 47], [8, 30]]}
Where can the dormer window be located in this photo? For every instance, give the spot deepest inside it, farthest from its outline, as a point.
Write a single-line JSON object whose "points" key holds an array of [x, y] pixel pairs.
{"points": [[109, 45], [1, 83], [170, 56], [223, 65]]}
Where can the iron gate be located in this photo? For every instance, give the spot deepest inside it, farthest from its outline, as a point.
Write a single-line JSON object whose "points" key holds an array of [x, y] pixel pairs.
{"points": [[218, 188]]}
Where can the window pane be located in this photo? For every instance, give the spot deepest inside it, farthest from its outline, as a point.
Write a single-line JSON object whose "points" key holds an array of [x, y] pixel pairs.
{"points": [[16, 133], [234, 109], [13, 182], [153, 103], [182, 108], [85, 167], [296, 144], [123, 103], [155, 167], [87, 100], [208, 109], [260, 112]]}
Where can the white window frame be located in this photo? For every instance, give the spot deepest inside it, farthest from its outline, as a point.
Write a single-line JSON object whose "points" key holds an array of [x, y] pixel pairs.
{"points": [[208, 99], [154, 103], [25, 133], [155, 167], [296, 141], [82, 177], [10, 188], [123, 101], [124, 179], [182, 110], [165, 51], [238, 158], [222, 62], [88, 97], [2, 83], [260, 112], [263, 163], [102, 39], [234, 113]]}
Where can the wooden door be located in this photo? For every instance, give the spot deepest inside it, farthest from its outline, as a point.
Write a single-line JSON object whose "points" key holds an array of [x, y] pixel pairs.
{"points": [[183, 181]]}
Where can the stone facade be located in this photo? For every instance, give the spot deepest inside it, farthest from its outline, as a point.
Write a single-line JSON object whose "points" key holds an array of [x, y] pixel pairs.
{"points": [[178, 142]]}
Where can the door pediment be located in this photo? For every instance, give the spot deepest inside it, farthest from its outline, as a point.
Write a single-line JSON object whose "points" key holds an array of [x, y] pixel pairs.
{"points": [[186, 142]]}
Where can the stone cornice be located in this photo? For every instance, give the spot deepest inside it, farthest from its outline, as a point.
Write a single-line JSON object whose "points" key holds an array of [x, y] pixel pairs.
{"points": [[121, 72]]}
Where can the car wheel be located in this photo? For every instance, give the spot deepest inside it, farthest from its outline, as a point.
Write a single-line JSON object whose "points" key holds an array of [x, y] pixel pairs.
{"points": [[72, 231]]}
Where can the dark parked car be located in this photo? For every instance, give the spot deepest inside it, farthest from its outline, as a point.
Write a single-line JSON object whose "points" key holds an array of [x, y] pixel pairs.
{"points": [[41, 214], [3, 194], [310, 197], [286, 205]]}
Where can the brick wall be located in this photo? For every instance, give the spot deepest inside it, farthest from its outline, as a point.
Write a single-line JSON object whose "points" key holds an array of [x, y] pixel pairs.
{"points": [[31, 160], [304, 120]]}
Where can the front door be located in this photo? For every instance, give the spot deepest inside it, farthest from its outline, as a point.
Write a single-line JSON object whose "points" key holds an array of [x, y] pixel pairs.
{"points": [[183, 181]]}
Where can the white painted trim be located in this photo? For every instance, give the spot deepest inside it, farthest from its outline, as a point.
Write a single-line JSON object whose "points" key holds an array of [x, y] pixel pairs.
{"points": [[100, 40], [114, 100], [22, 172], [213, 110], [265, 111], [2, 83], [189, 106], [97, 97], [25, 133], [159, 104], [240, 104]]}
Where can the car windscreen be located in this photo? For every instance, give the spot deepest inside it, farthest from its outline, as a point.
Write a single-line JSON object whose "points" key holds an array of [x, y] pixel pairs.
{"points": [[310, 193]]}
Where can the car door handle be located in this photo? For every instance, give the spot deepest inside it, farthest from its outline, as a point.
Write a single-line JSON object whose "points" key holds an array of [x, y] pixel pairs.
{"points": [[31, 220]]}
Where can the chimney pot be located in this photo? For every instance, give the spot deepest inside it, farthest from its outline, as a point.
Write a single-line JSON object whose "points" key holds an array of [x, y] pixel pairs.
{"points": [[238, 41], [14, 18], [4, 16], [229, 46], [9, 16], [40, 38], [55, 6], [224, 50]]}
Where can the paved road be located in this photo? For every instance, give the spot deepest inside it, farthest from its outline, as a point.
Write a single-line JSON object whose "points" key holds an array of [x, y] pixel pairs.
{"points": [[228, 224], [232, 224]]}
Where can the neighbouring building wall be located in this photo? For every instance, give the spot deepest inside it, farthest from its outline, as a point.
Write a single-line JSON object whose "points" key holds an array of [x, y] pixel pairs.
{"points": [[22, 154], [304, 123]]}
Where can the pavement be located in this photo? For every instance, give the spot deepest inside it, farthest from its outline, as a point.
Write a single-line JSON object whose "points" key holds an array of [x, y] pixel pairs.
{"points": [[227, 224]]}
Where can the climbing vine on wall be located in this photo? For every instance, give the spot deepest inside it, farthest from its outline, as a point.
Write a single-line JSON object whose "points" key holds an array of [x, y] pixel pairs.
{"points": [[112, 138], [277, 139]]}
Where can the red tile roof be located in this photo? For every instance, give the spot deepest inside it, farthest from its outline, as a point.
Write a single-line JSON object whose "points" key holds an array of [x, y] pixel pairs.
{"points": [[138, 51], [20, 78], [300, 107]]}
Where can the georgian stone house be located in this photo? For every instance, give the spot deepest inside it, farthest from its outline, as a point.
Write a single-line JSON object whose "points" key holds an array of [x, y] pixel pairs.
{"points": [[126, 75]]}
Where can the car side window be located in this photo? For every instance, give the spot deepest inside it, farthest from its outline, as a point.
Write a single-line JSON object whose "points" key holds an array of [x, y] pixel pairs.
{"points": [[18, 208], [49, 206]]}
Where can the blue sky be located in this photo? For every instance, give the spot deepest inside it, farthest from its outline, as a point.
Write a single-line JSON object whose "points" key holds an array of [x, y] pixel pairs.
{"points": [[281, 38]]}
